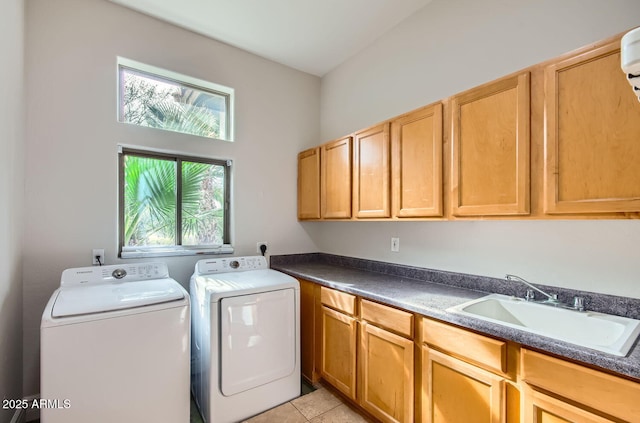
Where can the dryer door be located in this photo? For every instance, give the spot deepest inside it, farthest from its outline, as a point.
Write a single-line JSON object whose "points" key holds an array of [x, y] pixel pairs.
{"points": [[257, 339]]}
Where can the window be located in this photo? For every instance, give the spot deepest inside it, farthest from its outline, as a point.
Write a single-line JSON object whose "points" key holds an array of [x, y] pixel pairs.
{"points": [[157, 98], [172, 205]]}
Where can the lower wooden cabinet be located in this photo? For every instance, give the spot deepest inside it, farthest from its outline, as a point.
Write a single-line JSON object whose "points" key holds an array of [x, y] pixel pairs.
{"points": [[309, 304], [459, 392], [339, 351], [482, 351], [378, 375], [448, 374], [386, 374], [575, 390], [541, 408]]}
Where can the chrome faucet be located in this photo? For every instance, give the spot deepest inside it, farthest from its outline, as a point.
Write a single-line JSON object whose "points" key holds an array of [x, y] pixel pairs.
{"points": [[552, 299]]}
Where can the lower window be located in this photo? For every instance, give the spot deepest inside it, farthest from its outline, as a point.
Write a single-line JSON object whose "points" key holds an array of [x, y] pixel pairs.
{"points": [[172, 204]]}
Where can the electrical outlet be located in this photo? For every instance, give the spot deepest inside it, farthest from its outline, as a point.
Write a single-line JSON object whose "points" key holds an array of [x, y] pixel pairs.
{"points": [[97, 252], [260, 244], [395, 244]]}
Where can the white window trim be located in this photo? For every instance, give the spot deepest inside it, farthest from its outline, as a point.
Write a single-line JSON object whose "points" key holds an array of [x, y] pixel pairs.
{"points": [[179, 77], [176, 250]]}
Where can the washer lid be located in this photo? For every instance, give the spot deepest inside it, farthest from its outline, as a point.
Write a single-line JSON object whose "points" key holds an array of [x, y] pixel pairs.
{"points": [[90, 299]]}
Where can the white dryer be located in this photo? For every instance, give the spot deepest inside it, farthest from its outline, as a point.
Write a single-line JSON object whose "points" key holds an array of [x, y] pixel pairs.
{"points": [[115, 347], [245, 338]]}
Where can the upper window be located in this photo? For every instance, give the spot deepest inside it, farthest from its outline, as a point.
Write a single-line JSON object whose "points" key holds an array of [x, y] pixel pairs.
{"points": [[162, 99], [172, 204]]}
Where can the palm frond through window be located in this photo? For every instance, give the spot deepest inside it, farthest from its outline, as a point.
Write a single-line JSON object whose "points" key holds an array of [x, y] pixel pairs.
{"points": [[172, 200]]}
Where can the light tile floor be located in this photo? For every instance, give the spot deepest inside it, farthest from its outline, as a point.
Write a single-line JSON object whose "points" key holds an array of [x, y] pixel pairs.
{"points": [[319, 406]]}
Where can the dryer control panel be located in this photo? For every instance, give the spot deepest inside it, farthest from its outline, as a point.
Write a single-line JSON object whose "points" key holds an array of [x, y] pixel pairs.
{"points": [[231, 264]]}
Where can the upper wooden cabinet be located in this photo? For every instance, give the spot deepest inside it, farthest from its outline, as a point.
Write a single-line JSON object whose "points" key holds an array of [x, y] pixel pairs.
{"points": [[490, 149], [416, 150], [335, 178], [560, 139], [371, 181], [592, 135], [309, 184]]}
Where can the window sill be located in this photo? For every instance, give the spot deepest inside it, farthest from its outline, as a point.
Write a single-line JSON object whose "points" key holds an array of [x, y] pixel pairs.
{"points": [[130, 253]]}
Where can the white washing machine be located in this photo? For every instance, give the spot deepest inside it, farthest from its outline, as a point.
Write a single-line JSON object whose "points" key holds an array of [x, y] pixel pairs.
{"points": [[245, 338], [115, 347]]}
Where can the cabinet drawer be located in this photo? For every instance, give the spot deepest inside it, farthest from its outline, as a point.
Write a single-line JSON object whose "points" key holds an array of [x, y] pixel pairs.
{"points": [[338, 300], [609, 394], [541, 408], [390, 318], [488, 353]]}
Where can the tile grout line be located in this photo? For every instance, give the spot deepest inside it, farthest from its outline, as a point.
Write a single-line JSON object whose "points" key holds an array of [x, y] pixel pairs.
{"points": [[331, 409], [323, 413]]}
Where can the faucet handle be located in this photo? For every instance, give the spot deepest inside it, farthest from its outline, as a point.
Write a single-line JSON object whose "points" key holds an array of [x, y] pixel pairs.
{"points": [[578, 303], [530, 295]]}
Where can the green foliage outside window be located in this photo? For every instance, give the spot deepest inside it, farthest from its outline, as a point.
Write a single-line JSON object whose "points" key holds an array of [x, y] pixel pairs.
{"points": [[151, 202], [163, 104]]}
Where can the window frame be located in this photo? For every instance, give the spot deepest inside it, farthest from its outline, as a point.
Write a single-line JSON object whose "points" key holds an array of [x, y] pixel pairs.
{"points": [[165, 75], [178, 249]]}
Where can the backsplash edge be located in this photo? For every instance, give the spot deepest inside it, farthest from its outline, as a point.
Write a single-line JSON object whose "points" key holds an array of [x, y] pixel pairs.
{"points": [[603, 303]]}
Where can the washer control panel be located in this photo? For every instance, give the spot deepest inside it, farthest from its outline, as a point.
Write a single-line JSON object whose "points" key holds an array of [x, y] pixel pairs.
{"points": [[114, 273], [231, 264]]}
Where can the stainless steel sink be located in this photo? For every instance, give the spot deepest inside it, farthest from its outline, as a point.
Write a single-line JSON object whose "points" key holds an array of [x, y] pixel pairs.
{"points": [[603, 332]]}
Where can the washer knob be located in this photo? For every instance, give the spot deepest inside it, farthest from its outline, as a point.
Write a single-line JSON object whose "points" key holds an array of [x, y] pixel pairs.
{"points": [[119, 273], [234, 264]]}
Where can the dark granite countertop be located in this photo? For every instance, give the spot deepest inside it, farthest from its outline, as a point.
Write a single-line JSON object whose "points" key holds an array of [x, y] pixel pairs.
{"points": [[430, 293]]}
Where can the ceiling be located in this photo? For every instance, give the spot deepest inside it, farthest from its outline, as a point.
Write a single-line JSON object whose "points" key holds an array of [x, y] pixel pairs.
{"points": [[313, 36]]}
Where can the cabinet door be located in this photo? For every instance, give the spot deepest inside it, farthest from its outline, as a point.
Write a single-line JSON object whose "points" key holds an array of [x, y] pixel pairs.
{"points": [[308, 301], [541, 408], [490, 169], [339, 351], [372, 173], [416, 145], [335, 196], [309, 184], [458, 392], [386, 371], [593, 129]]}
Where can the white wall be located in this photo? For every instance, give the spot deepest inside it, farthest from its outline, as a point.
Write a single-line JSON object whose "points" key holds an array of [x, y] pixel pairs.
{"points": [[71, 200], [445, 48], [11, 191]]}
